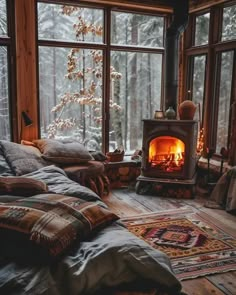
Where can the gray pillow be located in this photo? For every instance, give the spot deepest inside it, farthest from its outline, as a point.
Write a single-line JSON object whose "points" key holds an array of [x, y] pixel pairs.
{"points": [[21, 158], [63, 152], [5, 169]]}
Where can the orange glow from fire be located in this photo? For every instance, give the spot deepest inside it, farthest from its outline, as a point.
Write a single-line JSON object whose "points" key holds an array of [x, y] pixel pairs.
{"points": [[166, 153]]}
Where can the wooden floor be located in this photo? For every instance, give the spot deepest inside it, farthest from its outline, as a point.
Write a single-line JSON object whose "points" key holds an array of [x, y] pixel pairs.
{"points": [[125, 202]]}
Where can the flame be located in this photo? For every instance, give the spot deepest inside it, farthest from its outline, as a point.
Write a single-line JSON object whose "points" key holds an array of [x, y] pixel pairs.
{"points": [[166, 153]]}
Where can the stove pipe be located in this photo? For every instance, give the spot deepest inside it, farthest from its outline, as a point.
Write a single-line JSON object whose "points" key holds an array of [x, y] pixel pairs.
{"points": [[178, 25]]}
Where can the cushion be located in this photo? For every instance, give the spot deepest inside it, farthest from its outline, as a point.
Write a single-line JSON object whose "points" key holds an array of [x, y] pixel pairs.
{"points": [[21, 158], [21, 186], [5, 169], [52, 222], [63, 152]]}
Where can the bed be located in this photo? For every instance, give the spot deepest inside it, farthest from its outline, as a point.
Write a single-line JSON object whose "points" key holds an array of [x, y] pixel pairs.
{"points": [[106, 258]]}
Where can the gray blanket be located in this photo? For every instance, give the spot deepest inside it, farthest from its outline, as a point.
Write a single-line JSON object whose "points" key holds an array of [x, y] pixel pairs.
{"points": [[113, 257], [59, 183]]}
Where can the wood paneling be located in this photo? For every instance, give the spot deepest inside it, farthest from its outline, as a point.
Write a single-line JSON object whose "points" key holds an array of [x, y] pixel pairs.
{"points": [[26, 79]]}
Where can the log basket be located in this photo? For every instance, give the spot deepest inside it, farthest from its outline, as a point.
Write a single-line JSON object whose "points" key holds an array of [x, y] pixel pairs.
{"points": [[115, 156]]}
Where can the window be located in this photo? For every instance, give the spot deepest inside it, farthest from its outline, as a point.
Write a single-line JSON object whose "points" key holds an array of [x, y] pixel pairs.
{"points": [[196, 88], [229, 23], [202, 29], [95, 87], [225, 88], [5, 43], [211, 68]]}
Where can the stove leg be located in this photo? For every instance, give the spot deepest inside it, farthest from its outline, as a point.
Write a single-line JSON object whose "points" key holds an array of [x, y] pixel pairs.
{"points": [[138, 187]]}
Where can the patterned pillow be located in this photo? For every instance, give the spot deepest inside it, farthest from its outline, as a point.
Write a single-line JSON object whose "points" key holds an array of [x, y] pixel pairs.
{"points": [[52, 222], [63, 152], [21, 186]]}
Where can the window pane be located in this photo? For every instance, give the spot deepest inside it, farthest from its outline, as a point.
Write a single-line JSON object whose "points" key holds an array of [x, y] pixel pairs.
{"points": [[202, 29], [136, 92], [229, 23], [224, 99], [70, 23], [136, 29], [199, 81], [3, 18], [4, 105], [71, 94]]}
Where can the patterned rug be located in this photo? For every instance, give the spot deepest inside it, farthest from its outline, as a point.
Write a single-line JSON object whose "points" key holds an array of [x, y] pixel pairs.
{"points": [[195, 245]]}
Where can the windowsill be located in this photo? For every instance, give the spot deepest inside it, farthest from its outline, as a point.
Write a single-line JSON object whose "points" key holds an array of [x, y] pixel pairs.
{"points": [[127, 160]]}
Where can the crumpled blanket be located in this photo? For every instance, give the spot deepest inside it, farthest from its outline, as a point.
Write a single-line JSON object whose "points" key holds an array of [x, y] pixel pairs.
{"points": [[59, 183], [223, 195], [111, 258]]}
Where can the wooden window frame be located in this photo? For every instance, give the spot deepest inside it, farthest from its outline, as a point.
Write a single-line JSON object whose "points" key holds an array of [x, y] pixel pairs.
{"points": [[106, 48], [9, 42], [212, 50]]}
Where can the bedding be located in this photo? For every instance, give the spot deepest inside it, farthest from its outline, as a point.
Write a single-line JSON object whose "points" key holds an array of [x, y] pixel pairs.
{"points": [[104, 260], [59, 183], [110, 258]]}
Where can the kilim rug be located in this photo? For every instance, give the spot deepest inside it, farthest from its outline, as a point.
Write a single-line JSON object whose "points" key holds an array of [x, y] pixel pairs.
{"points": [[195, 245]]}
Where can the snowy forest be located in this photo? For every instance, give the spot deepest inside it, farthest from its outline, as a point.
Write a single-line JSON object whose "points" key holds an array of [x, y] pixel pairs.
{"points": [[72, 62]]}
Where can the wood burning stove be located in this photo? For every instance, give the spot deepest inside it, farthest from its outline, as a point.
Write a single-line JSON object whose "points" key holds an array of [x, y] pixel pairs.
{"points": [[169, 151]]}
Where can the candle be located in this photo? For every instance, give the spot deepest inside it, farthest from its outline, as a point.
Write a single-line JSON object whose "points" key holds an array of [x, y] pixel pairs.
{"points": [[158, 114]]}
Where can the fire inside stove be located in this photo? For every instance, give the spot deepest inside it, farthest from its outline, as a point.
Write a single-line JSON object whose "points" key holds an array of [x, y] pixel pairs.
{"points": [[166, 153]]}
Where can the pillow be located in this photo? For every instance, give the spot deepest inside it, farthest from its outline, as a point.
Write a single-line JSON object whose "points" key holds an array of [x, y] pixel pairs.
{"points": [[21, 186], [21, 158], [63, 153], [51, 222], [5, 169]]}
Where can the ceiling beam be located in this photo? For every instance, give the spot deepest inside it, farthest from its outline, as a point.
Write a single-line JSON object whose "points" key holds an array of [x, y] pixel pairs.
{"points": [[150, 5]]}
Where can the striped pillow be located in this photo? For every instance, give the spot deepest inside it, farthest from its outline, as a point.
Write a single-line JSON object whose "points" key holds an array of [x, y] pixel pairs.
{"points": [[52, 222], [21, 186]]}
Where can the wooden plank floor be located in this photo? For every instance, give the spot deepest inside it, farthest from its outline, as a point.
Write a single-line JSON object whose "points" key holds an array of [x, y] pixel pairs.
{"points": [[125, 202]]}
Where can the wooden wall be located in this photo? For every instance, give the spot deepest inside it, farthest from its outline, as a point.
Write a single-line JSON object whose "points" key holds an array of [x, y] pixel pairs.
{"points": [[26, 77]]}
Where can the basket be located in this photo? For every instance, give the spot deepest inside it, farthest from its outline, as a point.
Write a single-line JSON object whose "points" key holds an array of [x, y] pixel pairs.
{"points": [[115, 157]]}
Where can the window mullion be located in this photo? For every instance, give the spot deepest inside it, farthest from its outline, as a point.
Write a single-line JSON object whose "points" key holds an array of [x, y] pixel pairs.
{"points": [[106, 80]]}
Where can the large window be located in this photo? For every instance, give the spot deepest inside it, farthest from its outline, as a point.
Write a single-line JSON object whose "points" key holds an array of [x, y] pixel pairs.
{"points": [[4, 72], [225, 87], [97, 82], [211, 67]]}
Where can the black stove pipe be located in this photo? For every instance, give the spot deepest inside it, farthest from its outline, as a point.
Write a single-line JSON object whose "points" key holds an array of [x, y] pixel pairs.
{"points": [[178, 25]]}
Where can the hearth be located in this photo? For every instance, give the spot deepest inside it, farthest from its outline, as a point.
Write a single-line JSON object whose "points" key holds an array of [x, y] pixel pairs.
{"points": [[169, 152]]}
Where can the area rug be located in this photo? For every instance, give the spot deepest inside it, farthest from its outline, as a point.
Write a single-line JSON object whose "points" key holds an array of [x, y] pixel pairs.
{"points": [[195, 245]]}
